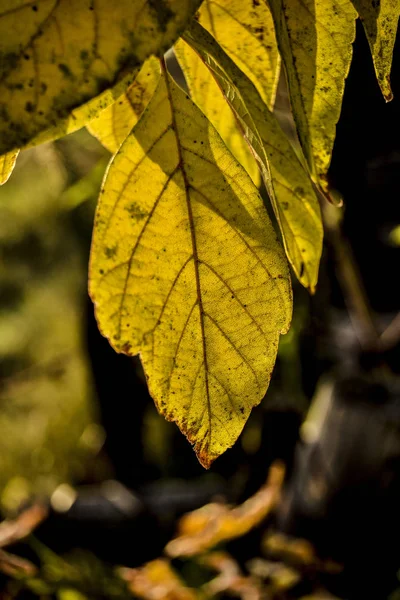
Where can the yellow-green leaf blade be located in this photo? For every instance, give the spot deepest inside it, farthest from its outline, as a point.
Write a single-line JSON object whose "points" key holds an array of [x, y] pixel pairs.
{"points": [[380, 20], [209, 98], [315, 40], [56, 55], [290, 189], [115, 122], [186, 269], [7, 164], [245, 30]]}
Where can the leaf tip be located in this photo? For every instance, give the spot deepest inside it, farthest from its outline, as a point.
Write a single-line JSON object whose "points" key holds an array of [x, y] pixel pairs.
{"points": [[204, 457], [386, 88], [388, 96]]}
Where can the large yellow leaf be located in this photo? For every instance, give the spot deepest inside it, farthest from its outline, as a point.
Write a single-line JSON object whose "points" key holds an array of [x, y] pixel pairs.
{"points": [[209, 98], [315, 40], [187, 270], [57, 54], [380, 20], [115, 122], [245, 30], [7, 163], [288, 184]]}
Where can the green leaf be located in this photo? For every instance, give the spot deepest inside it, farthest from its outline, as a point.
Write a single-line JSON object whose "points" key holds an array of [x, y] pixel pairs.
{"points": [[187, 270], [288, 184], [315, 40], [206, 93], [380, 20], [115, 122], [56, 55], [7, 164]]}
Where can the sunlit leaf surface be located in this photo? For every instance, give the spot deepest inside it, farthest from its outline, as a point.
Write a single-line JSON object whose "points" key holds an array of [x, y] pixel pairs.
{"points": [[205, 91], [186, 269], [288, 184], [7, 163], [115, 122], [58, 54], [315, 39], [380, 20], [245, 30]]}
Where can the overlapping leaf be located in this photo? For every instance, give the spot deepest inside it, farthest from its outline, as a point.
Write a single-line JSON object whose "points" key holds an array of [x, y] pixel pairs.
{"points": [[289, 186], [205, 92], [115, 122], [7, 163], [186, 269], [57, 54], [315, 40], [380, 20], [245, 30]]}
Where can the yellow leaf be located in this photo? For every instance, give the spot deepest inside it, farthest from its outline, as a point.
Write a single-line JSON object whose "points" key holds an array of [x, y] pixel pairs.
{"points": [[230, 580], [289, 187], [315, 40], [156, 580], [215, 523], [7, 164], [245, 30], [115, 122], [83, 114], [205, 92], [186, 269], [57, 54], [380, 20]]}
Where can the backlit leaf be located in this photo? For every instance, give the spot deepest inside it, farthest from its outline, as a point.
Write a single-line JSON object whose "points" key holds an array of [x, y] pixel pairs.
{"points": [[315, 40], [186, 269], [7, 164], [115, 122], [205, 92], [380, 20], [57, 54], [83, 114], [245, 30], [288, 184]]}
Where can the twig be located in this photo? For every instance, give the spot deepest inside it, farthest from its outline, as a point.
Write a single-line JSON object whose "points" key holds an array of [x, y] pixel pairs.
{"points": [[350, 281], [391, 335]]}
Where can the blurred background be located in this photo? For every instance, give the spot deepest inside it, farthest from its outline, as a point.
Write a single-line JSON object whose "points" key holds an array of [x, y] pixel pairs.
{"points": [[80, 437]]}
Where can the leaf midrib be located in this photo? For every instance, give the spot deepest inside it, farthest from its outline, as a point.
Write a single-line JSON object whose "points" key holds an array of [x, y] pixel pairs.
{"points": [[194, 244]]}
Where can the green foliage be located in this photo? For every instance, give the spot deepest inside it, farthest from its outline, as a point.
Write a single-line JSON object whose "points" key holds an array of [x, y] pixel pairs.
{"points": [[186, 268], [45, 383]]}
